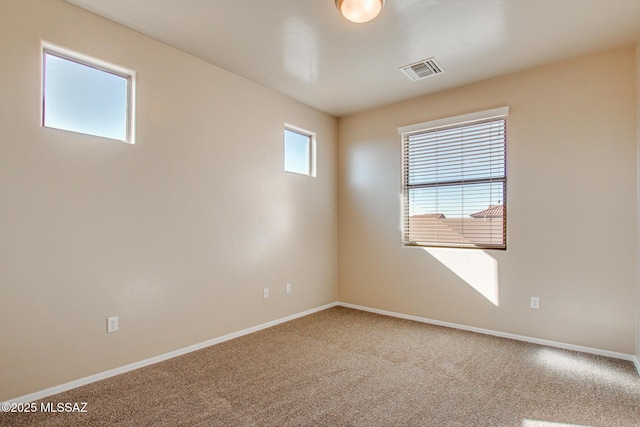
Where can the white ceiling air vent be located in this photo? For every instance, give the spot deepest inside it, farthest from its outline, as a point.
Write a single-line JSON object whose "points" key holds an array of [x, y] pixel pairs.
{"points": [[422, 70]]}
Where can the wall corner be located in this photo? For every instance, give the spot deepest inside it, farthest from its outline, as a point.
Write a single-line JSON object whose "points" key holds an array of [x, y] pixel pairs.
{"points": [[638, 205]]}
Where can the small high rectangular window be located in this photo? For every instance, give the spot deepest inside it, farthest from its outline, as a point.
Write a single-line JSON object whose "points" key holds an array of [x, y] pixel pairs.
{"points": [[455, 182], [299, 147], [86, 96]]}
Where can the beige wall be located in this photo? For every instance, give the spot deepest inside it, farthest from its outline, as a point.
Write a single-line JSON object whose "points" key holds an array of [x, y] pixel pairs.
{"points": [[571, 203], [177, 234]]}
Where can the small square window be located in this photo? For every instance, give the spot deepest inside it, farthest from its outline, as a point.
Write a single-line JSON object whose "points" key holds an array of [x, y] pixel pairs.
{"points": [[85, 96], [298, 151]]}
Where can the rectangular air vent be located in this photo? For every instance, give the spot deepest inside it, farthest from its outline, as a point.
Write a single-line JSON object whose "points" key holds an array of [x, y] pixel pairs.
{"points": [[422, 70]]}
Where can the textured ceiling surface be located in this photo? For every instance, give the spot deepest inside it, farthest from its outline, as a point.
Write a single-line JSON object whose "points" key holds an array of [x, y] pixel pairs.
{"points": [[305, 49]]}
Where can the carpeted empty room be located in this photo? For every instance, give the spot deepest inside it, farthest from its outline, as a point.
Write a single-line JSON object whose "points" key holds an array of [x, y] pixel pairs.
{"points": [[344, 367], [320, 213]]}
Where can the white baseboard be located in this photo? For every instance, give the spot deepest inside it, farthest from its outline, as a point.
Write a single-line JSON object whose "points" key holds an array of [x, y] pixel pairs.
{"points": [[121, 370], [556, 344], [636, 362]]}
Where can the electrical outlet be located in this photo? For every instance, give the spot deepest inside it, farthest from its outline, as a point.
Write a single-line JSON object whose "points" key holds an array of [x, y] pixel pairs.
{"points": [[535, 303], [265, 293], [112, 324], [288, 288]]}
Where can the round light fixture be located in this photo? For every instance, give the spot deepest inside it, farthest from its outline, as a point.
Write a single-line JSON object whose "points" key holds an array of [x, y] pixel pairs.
{"points": [[360, 11]]}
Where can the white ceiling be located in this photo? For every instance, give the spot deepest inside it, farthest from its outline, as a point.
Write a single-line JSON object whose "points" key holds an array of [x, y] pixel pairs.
{"points": [[305, 49]]}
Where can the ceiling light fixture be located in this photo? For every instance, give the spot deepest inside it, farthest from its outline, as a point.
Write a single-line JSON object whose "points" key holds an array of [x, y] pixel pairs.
{"points": [[360, 11]]}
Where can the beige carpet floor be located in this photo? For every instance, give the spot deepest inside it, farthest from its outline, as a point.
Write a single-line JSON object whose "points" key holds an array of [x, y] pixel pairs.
{"points": [[343, 367]]}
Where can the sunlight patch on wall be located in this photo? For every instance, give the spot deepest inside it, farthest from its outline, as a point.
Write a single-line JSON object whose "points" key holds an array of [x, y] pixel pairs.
{"points": [[476, 267]]}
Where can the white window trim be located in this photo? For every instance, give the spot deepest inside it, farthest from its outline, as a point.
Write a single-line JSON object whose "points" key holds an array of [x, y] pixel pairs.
{"points": [[312, 148], [98, 64], [463, 118], [443, 122]]}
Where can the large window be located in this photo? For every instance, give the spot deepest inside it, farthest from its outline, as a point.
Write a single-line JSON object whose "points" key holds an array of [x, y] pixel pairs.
{"points": [[299, 151], [454, 181], [86, 96]]}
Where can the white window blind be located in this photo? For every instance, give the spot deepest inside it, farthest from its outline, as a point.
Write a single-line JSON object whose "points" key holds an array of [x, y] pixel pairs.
{"points": [[455, 182]]}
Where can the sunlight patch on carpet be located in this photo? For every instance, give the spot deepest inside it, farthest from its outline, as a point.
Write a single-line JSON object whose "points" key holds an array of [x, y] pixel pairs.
{"points": [[577, 364], [538, 423]]}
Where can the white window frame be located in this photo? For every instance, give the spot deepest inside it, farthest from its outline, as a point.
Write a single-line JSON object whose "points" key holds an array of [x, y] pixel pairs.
{"points": [[431, 224], [312, 148], [98, 64]]}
